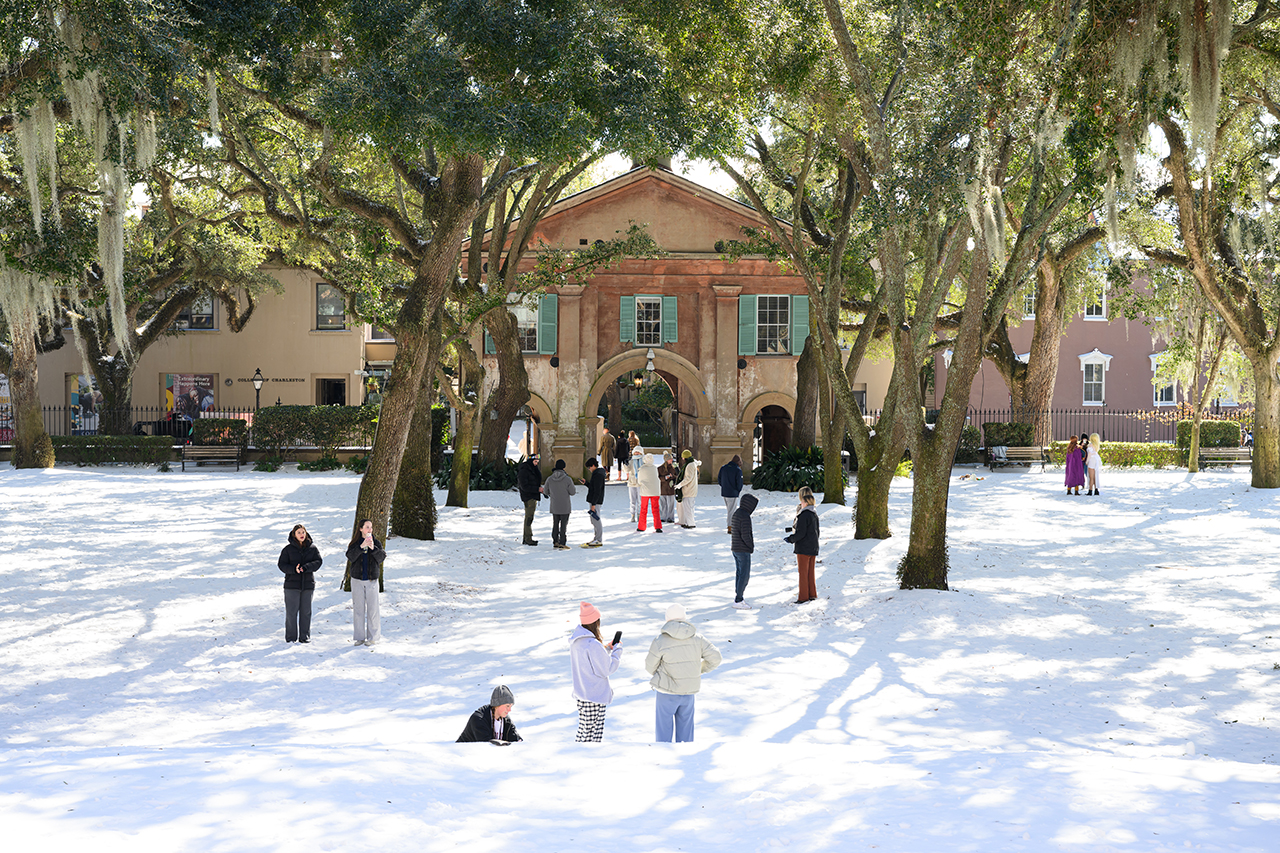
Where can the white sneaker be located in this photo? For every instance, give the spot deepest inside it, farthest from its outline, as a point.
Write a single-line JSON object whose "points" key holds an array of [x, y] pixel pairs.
{"points": [[741, 605]]}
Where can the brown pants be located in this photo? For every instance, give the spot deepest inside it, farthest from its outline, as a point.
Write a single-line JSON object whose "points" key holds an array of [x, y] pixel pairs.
{"points": [[808, 589]]}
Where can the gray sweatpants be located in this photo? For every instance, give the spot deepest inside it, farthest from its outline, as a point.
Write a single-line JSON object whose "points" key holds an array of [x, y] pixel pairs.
{"points": [[366, 621]]}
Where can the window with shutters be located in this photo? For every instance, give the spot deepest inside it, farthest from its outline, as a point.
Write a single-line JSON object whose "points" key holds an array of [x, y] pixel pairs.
{"points": [[1094, 366], [648, 321], [527, 327], [773, 324]]}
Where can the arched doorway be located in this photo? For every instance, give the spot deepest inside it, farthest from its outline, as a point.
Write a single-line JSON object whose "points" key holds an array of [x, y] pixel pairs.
{"points": [[775, 429], [767, 420]]}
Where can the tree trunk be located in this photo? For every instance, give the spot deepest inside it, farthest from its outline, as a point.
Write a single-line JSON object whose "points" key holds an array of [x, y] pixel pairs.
{"points": [[413, 509], [1266, 425], [31, 445], [511, 392], [804, 427], [460, 473], [832, 443], [926, 563], [114, 378]]}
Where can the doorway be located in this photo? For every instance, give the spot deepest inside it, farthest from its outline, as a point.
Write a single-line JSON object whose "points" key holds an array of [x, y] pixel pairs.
{"points": [[331, 392]]}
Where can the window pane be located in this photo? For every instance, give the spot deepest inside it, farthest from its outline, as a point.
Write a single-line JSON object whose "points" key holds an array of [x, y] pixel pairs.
{"points": [[527, 327], [198, 315], [648, 322], [773, 324], [331, 308]]}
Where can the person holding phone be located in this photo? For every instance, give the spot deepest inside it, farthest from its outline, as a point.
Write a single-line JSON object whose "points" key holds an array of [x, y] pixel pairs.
{"points": [[298, 561], [677, 659], [364, 571], [804, 535], [592, 661], [595, 497]]}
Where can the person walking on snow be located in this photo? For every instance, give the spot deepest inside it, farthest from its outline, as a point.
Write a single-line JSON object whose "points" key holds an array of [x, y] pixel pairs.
{"points": [[595, 497], [559, 489], [492, 722], [529, 482], [730, 478], [677, 659], [299, 560], [742, 545], [649, 489], [364, 577], [591, 661], [687, 490]]}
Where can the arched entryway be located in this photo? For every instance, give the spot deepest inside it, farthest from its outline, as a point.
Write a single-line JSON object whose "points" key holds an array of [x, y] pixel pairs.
{"points": [[767, 419], [692, 429]]}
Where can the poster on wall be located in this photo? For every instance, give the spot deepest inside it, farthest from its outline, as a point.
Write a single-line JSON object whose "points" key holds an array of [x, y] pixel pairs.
{"points": [[86, 402], [189, 393], [6, 410]]}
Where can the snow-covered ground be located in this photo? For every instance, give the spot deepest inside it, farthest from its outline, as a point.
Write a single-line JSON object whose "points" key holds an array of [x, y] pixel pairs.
{"points": [[1104, 675]]}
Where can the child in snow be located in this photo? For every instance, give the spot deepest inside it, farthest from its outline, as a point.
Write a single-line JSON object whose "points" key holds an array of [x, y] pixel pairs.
{"points": [[1094, 463], [1075, 468]]}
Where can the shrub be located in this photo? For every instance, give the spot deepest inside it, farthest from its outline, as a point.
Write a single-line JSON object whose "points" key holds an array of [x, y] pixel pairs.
{"points": [[324, 463], [1008, 434], [269, 463], [790, 468], [224, 432], [357, 464], [1128, 454], [1212, 434], [903, 469], [970, 447], [277, 429], [497, 476], [106, 449]]}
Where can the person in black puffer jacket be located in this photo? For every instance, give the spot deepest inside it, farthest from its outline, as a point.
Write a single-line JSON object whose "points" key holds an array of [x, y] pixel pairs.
{"points": [[298, 561], [805, 537], [529, 482], [492, 722]]}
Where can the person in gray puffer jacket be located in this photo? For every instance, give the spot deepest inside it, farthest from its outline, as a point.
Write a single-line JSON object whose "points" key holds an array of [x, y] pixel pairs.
{"points": [[559, 488], [677, 659]]}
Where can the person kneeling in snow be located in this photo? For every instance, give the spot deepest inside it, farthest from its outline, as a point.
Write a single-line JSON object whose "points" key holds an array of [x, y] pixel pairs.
{"points": [[492, 722]]}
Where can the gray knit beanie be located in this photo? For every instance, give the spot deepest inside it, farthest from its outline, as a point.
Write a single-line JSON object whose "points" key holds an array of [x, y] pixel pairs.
{"points": [[502, 695]]}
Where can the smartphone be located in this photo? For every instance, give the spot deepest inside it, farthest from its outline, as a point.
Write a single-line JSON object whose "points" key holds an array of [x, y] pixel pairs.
{"points": [[788, 529], [617, 638]]}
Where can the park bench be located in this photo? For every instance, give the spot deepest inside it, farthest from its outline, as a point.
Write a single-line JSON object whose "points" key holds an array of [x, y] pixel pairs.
{"points": [[1018, 456], [1225, 456], [199, 454]]}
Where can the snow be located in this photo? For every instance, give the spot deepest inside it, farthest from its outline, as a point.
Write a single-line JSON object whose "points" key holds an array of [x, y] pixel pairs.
{"points": [[1103, 675]]}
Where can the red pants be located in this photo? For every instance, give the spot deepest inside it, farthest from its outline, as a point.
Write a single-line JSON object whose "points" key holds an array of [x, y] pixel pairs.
{"points": [[808, 589], [645, 503]]}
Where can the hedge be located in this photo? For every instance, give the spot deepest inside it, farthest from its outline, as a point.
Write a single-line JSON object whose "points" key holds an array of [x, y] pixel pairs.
{"points": [[105, 449], [790, 468], [1128, 454], [1212, 433], [224, 432], [1008, 435], [279, 428]]}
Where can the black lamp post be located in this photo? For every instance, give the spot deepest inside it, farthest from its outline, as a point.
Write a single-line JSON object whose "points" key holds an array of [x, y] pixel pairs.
{"points": [[257, 387]]}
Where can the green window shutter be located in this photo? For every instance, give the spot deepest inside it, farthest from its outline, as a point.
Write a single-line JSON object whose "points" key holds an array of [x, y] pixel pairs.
{"points": [[799, 323], [746, 325], [627, 318], [547, 323], [670, 329], [489, 348]]}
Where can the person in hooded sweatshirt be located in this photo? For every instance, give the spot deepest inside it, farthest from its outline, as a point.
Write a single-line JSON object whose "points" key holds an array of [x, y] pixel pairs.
{"points": [[742, 545], [650, 489], [591, 661], [677, 659], [298, 561], [804, 535], [559, 488], [492, 722], [730, 478]]}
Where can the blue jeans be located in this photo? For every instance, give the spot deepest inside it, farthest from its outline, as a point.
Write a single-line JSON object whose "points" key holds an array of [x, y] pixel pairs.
{"points": [[674, 711], [743, 562]]}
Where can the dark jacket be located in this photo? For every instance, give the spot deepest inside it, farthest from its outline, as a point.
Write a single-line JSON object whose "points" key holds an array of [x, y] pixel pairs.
{"points": [[294, 555], [730, 480], [365, 565], [595, 487], [668, 476], [805, 535], [742, 541], [528, 479], [479, 727], [623, 451]]}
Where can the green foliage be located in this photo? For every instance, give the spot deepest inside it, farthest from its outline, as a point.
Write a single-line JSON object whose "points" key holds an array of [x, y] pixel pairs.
{"points": [[324, 463], [269, 463], [1128, 454], [277, 429], [1212, 434], [357, 464], [969, 449], [164, 467], [903, 469], [499, 476], [107, 449], [1008, 434], [223, 432], [790, 468], [648, 403]]}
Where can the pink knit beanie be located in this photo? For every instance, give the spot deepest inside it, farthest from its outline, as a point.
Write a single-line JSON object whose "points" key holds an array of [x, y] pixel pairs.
{"points": [[587, 613]]}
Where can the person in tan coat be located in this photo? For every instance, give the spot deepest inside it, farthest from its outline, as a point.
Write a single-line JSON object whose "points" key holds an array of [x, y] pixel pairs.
{"points": [[677, 659]]}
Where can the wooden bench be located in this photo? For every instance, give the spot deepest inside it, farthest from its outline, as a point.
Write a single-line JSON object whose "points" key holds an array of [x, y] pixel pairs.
{"points": [[1019, 456], [199, 454], [1225, 456]]}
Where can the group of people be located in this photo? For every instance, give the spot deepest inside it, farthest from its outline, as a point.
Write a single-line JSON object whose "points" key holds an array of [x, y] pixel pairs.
{"points": [[1083, 456], [300, 560]]}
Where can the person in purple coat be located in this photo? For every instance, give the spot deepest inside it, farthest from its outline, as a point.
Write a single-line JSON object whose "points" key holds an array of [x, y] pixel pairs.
{"points": [[1075, 467]]}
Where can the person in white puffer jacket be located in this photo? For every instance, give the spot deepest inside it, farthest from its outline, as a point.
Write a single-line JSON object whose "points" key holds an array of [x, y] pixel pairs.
{"points": [[677, 659]]}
